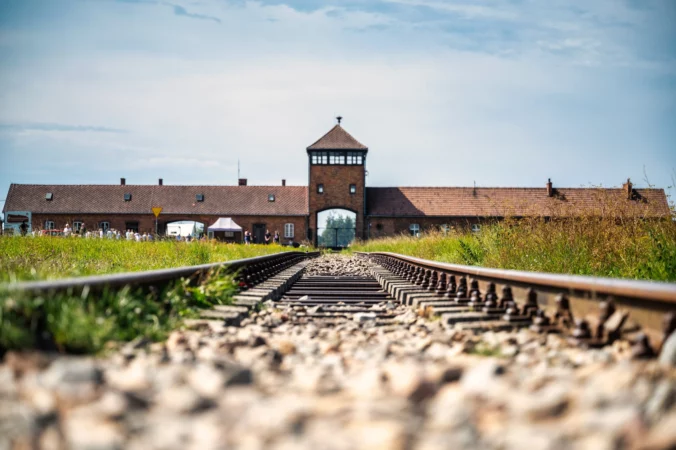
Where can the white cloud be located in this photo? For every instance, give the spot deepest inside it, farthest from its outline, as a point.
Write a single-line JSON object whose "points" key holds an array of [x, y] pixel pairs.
{"points": [[198, 95]]}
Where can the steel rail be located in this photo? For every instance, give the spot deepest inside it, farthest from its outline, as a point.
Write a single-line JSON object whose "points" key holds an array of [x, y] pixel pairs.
{"points": [[141, 279], [648, 290], [650, 304]]}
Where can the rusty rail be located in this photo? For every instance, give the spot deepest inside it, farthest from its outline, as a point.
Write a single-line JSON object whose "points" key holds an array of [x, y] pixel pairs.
{"points": [[651, 305], [249, 271]]}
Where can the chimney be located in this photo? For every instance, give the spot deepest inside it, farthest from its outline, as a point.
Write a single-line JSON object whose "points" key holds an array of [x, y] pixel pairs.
{"points": [[628, 188], [160, 182], [550, 190], [242, 181], [283, 182], [123, 181]]}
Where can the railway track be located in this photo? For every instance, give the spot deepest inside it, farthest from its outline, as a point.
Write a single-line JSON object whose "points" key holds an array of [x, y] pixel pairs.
{"points": [[591, 311], [375, 351]]}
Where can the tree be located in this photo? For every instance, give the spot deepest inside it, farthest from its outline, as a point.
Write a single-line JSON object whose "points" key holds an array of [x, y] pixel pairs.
{"points": [[339, 230]]}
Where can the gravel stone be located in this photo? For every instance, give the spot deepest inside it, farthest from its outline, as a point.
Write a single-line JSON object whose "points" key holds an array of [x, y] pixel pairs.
{"points": [[341, 376]]}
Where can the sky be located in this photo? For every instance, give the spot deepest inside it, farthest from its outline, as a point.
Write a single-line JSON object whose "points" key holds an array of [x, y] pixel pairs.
{"points": [[444, 93]]}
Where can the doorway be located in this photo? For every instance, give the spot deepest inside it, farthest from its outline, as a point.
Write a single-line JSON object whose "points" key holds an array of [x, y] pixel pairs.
{"points": [[336, 228], [258, 233]]}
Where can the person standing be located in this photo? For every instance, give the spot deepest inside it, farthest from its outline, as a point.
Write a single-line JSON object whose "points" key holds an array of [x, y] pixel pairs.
{"points": [[276, 238], [23, 228], [247, 238], [268, 237]]}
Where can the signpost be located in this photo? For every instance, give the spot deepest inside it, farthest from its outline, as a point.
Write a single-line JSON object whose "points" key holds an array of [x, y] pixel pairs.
{"points": [[156, 210]]}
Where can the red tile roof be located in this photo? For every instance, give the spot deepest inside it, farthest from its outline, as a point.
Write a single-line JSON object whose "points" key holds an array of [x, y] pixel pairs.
{"points": [[503, 202], [102, 199], [337, 139], [293, 200]]}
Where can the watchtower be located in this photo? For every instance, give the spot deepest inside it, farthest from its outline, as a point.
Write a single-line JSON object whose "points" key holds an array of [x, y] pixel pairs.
{"points": [[337, 179]]}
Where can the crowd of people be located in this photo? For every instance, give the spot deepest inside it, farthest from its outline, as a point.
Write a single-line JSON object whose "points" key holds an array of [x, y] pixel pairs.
{"points": [[134, 235], [249, 239]]}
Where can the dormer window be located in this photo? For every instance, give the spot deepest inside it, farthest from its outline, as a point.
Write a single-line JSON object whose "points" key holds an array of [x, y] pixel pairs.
{"points": [[49, 196], [127, 197], [271, 197], [199, 197]]}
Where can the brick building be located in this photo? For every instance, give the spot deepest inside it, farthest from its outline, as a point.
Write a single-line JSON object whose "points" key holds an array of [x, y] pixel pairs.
{"points": [[336, 183]]}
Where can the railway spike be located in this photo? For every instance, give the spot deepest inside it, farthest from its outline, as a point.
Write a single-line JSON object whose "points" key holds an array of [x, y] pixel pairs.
{"points": [[475, 300], [433, 281], [563, 315], [450, 287], [474, 287], [427, 279], [541, 323], [506, 297], [441, 285], [491, 295], [531, 305]]}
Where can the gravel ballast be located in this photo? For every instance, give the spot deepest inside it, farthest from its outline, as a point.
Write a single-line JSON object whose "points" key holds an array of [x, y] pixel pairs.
{"points": [[297, 377]]}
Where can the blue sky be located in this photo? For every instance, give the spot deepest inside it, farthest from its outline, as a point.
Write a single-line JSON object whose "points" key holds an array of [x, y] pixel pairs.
{"points": [[444, 93]]}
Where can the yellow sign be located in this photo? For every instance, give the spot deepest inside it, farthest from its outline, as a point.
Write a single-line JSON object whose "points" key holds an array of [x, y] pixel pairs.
{"points": [[157, 210]]}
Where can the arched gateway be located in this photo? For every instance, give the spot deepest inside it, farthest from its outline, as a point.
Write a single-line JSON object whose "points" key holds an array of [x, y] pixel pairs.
{"points": [[336, 228], [336, 191]]}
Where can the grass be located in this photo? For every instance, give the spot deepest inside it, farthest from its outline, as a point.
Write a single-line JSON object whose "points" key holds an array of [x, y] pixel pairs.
{"points": [[87, 323], [92, 322], [27, 258], [622, 247]]}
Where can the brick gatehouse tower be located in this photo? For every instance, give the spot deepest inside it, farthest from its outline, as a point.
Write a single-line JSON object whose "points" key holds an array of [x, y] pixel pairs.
{"points": [[336, 181]]}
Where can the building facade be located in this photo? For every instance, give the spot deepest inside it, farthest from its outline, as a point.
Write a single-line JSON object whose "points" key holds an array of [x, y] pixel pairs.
{"points": [[336, 186]]}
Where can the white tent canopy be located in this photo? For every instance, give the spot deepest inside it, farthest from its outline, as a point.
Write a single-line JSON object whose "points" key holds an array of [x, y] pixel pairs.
{"points": [[224, 224]]}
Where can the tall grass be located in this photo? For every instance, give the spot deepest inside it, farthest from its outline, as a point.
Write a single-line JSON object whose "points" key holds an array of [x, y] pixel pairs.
{"points": [[27, 258], [86, 323], [621, 247]]}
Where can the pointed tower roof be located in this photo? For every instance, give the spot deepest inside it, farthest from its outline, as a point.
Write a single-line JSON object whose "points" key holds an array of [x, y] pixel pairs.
{"points": [[337, 139]]}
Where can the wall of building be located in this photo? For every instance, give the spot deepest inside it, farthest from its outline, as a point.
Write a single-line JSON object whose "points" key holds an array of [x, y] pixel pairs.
{"points": [[336, 180], [146, 223], [391, 226]]}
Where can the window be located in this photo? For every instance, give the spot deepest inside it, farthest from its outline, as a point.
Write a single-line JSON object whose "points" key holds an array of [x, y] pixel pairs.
{"points": [[127, 197], [105, 226], [227, 233], [445, 228], [476, 228], [77, 226], [49, 225], [353, 189], [210, 234], [379, 226], [288, 230], [320, 158], [354, 158], [271, 197], [414, 228], [133, 226], [199, 197], [320, 188], [336, 158], [49, 196]]}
